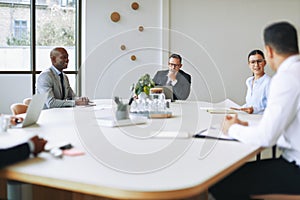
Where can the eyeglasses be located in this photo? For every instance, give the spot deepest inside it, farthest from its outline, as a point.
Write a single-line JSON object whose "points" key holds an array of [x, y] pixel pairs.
{"points": [[174, 65], [253, 62]]}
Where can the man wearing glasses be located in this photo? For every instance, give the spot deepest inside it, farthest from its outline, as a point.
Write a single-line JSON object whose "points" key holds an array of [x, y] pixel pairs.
{"points": [[175, 77]]}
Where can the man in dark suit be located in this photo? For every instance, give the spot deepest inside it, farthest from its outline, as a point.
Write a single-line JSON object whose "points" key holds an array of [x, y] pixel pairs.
{"points": [[22, 151], [175, 77]]}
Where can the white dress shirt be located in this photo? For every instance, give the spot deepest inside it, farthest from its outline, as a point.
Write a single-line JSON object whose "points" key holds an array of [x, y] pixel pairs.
{"points": [[282, 115], [257, 93], [172, 82]]}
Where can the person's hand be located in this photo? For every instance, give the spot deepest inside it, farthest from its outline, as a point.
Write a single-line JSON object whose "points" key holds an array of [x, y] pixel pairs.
{"points": [[82, 101], [172, 75], [248, 110], [230, 120], [15, 120], [39, 145]]}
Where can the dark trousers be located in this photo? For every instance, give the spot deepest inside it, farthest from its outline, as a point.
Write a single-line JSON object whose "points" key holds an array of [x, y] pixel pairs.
{"points": [[270, 176]]}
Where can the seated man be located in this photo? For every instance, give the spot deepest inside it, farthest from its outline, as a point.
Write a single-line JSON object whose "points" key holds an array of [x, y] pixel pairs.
{"points": [[22, 151], [178, 79], [281, 119], [56, 83]]}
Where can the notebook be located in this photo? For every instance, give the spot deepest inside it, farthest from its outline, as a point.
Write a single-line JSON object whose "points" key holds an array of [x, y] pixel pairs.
{"points": [[34, 110], [168, 91]]}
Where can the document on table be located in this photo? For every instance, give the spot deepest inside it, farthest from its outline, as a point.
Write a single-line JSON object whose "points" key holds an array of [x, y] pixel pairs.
{"points": [[172, 134], [110, 122], [221, 111], [213, 133], [223, 107]]}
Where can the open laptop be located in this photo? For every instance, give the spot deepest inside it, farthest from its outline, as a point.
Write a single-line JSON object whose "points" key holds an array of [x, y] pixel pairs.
{"points": [[34, 110], [168, 91]]}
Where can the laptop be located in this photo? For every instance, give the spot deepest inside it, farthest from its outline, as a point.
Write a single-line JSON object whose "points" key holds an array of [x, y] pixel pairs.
{"points": [[34, 110], [168, 91]]}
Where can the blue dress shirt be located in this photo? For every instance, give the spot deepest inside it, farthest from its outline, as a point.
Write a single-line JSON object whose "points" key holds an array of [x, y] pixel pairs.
{"points": [[257, 96]]}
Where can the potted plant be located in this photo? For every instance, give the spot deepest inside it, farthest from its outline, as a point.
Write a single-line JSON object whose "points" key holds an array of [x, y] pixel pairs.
{"points": [[144, 84]]}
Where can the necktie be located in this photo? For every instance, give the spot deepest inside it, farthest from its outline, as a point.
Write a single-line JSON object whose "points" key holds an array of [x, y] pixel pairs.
{"points": [[62, 85]]}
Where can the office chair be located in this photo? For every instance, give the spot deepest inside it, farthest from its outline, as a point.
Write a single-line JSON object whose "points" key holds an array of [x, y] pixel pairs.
{"points": [[18, 108], [27, 101], [258, 156]]}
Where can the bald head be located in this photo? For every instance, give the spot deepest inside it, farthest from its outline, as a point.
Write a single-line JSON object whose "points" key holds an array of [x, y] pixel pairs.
{"points": [[59, 58]]}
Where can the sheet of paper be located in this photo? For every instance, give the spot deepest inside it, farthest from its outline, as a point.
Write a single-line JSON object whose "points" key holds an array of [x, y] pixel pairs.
{"points": [[109, 122], [173, 134], [222, 107]]}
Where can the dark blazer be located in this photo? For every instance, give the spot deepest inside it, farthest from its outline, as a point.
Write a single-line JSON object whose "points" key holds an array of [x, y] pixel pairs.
{"points": [[181, 90], [14, 154]]}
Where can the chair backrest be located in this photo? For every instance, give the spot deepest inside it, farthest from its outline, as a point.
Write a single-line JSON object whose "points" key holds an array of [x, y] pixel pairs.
{"points": [[27, 101], [18, 108]]}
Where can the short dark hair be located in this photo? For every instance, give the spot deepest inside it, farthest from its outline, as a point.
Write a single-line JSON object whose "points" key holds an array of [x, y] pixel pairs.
{"points": [[254, 52], [176, 56], [282, 36]]}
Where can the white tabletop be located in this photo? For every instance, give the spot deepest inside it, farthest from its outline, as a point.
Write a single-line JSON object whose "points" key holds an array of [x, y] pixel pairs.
{"points": [[126, 161]]}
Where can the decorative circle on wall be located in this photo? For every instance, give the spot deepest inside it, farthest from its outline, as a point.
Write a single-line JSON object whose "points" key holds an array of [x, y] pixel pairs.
{"points": [[133, 57], [141, 28], [115, 16], [123, 47], [135, 6]]}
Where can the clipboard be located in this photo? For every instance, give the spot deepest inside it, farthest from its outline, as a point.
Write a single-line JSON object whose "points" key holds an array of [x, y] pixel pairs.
{"points": [[213, 133]]}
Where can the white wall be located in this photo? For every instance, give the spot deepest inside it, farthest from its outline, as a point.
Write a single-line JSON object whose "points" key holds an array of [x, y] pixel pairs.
{"points": [[214, 38], [14, 88], [227, 31], [109, 71]]}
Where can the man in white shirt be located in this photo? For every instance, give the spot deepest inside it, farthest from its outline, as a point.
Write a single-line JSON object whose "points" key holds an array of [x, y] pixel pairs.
{"points": [[281, 119]]}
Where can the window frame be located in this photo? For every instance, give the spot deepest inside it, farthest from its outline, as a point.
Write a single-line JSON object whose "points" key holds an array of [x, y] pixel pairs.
{"points": [[32, 47]]}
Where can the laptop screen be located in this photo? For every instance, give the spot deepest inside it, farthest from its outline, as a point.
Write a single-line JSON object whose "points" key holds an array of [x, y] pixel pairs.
{"points": [[168, 91]]}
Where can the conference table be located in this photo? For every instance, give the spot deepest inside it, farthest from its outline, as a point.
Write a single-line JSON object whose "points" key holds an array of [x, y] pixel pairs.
{"points": [[158, 159]]}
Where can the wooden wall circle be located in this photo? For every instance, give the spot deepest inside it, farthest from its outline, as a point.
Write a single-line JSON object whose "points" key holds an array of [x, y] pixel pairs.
{"points": [[141, 28], [133, 57], [123, 47], [115, 16], [135, 6]]}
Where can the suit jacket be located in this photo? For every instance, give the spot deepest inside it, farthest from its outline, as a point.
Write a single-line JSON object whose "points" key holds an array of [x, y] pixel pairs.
{"points": [[181, 90], [14, 154], [49, 81]]}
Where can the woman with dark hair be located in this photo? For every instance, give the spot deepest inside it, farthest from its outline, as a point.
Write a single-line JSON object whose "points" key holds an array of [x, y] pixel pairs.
{"points": [[257, 85]]}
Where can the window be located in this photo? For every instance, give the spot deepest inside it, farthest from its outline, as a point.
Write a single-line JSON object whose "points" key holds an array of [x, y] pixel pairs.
{"points": [[66, 3], [55, 22], [20, 29], [25, 50]]}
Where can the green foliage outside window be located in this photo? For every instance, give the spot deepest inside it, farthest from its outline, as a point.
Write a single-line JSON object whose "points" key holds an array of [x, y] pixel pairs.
{"points": [[56, 28]]}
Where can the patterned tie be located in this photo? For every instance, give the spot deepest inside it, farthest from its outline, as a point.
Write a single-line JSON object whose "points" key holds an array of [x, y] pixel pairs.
{"points": [[62, 85]]}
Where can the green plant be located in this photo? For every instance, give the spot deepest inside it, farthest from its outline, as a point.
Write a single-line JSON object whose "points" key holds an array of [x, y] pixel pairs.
{"points": [[144, 84]]}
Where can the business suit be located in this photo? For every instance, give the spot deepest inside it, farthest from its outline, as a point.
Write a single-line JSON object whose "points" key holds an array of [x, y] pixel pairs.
{"points": [[49, 81], [181, 89], [14, 154]]}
